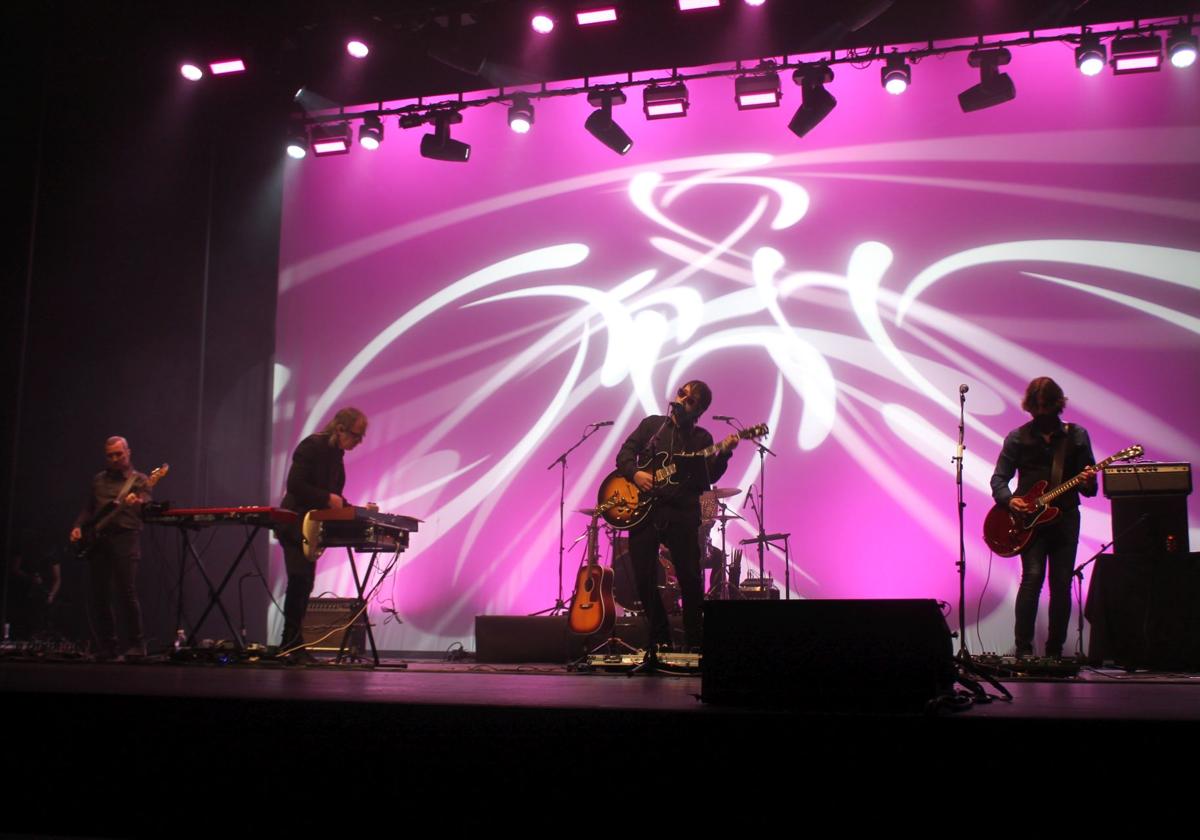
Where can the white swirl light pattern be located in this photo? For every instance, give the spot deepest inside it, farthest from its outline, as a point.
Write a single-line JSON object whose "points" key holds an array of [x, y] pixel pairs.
{"points": [[475, 383]]}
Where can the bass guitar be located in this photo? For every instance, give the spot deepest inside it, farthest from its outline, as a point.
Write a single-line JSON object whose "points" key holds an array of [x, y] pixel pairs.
{"points": [[592, 607], [1007, 531], [93, 529], [621, 503]]}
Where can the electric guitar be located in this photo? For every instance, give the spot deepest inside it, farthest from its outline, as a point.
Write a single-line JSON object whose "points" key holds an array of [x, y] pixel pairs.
{"points": [[93, 529], [1007, 531], [621, 503], [592, 607]]}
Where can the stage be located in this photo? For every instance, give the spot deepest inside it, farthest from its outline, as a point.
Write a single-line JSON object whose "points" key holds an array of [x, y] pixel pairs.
{"points": [[532, 743]]}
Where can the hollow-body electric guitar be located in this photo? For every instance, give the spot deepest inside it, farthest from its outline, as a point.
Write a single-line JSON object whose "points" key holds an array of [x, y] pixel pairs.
{"points": [[621, 503], [1007, 531]]}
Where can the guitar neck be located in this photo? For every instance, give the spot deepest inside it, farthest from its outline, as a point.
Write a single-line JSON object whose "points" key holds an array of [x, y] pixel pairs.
{"points": [[1068, 486], [721, 445]]}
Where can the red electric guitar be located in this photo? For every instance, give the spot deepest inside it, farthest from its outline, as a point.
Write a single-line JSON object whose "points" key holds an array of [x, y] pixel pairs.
{"points": [[1007, 531]]}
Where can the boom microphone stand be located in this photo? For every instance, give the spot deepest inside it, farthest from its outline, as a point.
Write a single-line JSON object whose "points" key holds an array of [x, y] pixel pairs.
{"points": [[560, 606]]}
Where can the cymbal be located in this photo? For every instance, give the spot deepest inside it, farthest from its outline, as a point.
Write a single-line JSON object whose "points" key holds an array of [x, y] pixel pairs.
{"points": [[726, 517], [725, 492]]}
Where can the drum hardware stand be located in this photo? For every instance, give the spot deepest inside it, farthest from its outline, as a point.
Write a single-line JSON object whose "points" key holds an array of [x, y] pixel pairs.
{"points": [[967, 669], [723, 590], [560, 606], [763, 539]]}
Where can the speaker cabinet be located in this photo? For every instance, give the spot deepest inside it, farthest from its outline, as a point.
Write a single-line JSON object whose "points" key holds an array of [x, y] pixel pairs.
{"points": [[826, 655]]}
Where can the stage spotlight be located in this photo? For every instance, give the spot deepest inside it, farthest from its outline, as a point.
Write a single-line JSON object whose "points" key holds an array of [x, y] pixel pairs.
{"points": [[760, 90], [1181, 47], [755, 2], [815, 101], [662, 102], [994, 87], [896, 75], [520, 114], [331, 140], [1090, 55], [370, 133], [357, 49], [439, 145], [1136, 54], [297, 144], [600, 123], [191, 72], [542, 23], [233, 65], [690, 5], [604, 14]]}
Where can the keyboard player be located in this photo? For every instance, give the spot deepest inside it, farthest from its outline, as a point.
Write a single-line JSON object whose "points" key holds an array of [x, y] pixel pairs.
{"points": [[315, 481]]}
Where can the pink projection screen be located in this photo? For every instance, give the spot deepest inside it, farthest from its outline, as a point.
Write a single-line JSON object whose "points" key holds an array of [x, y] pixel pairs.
{"points": [[838, 288]]}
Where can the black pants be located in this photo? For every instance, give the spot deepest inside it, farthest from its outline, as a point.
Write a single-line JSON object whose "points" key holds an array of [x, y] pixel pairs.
{"points": [[113, 568], [1052, 545], [302, 574], [681, 537]]}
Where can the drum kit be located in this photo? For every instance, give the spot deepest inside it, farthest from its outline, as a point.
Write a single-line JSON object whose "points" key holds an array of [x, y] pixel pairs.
{"points": [[724, 573]]}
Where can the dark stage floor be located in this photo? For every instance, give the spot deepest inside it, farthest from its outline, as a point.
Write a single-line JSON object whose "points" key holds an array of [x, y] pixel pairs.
{"points": [[531, 744]]}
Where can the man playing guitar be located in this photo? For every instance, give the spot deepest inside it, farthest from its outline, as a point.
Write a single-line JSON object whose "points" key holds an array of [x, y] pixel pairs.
{"points": [[675, 519], [1046, 449]]}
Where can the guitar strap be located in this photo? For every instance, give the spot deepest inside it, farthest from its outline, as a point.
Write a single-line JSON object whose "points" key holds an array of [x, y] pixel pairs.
{"points": [[1060, 457]]}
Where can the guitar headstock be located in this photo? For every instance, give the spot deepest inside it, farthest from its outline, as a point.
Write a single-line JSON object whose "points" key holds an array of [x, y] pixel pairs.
{"points": [[1129, 453], [156, 474], [754, 432]]}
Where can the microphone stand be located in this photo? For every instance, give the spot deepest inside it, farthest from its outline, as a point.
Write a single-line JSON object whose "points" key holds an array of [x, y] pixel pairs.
{"points": [[957, 460], [560, 606], [965, 664]]}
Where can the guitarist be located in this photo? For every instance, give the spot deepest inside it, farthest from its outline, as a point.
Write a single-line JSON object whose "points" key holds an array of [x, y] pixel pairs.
{"points": [[1047, 449], [675, 519], [114, 554]]}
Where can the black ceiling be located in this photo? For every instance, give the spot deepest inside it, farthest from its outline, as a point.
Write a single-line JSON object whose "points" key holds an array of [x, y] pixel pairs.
{"points": [[289, 43]]}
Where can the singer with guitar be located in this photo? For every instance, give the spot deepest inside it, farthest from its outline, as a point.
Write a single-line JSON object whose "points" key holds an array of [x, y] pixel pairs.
{"points": [[1045, 449], [114, 509], [674, 520]]}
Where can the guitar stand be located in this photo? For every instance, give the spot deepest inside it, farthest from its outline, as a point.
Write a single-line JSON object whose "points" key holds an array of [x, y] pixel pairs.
{"points": [[611, 648]]}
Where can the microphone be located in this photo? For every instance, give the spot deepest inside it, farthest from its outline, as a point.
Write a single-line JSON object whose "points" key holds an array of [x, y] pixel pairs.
{"points": [[674, 407], [962, 389], [724, 418], [602, 423]]}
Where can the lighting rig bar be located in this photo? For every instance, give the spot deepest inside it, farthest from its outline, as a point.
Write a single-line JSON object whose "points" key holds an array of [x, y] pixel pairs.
{"points": [[420, 112]]}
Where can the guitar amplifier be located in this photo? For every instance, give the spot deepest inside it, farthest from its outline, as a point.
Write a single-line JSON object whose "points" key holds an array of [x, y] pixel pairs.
{"points": [[758, 589], [1152, 478], [329, 617]]}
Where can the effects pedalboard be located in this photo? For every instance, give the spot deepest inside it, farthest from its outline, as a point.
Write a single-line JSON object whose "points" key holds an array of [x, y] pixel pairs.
{"points": [[1027, 666], [676, 663]]}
